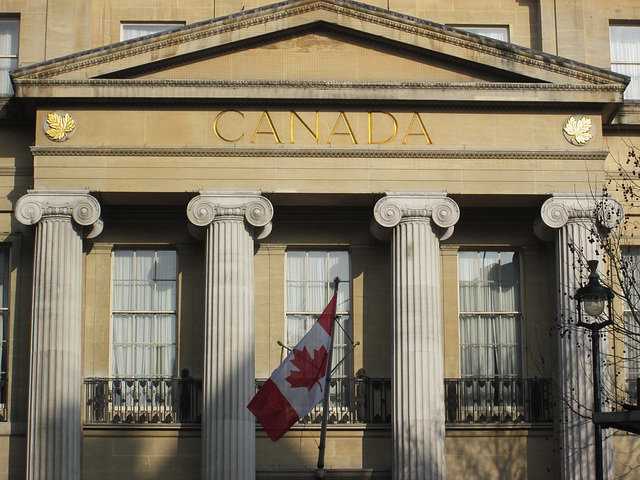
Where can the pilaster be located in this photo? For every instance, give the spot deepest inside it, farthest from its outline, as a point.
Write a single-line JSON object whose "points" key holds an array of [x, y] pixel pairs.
{"points": [[232, 221], [577, 223], [419, 221], [55, 403]]}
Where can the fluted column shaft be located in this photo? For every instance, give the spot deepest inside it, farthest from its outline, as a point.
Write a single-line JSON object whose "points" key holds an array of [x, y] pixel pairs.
{"points": [[418, 423], [577, 221], [55, 405], [228, 428]]}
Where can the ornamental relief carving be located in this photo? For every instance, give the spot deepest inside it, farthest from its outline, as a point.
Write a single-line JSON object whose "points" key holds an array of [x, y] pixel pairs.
{"points": [[59, 126]]}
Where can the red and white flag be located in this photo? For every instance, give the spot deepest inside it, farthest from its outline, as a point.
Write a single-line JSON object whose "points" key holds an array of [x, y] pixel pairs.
{"points": [[298, 384]]}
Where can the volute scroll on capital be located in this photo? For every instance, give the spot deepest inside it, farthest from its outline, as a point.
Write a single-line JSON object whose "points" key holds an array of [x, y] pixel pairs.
{"points": [[396, 207], [252, 206], [606, 212], [82, 207], [442, 210]]}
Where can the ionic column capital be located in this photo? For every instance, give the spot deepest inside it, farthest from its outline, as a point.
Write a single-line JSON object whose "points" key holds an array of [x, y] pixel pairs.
{"points": [[252, 206], [390, 210], [606, 212], [78, 204]]}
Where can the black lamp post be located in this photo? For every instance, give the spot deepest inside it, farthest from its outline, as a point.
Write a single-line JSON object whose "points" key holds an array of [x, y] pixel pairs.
{"points": [[593, 297]]}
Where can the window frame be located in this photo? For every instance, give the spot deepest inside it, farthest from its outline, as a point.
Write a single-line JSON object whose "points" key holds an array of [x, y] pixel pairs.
{"points": [[477, 30], [167, 25], [518, 315], [632, 93], [151, 312], [13, 19]]}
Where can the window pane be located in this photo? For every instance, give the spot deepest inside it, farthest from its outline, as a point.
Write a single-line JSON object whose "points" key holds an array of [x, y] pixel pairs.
{"points": [[497, 33], [167, 265], [123, 265], [143, 292], [122, 328], [318, 266], [135, 30], [317, 300], [145, 265], [625, 56], [296, 266], [166, 295], [123, 295], [296, 297], [143, 328], [165, 329], [339, 266]]}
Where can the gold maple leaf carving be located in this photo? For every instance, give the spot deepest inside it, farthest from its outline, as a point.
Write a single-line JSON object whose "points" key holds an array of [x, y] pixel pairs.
{"points": [[61, 127], [578, 130]]}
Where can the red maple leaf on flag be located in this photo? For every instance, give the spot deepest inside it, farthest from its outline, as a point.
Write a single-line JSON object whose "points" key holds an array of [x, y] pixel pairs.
{"points": [[310, 370]]}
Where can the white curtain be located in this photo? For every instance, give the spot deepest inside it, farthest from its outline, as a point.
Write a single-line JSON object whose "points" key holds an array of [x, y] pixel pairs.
{"points": [[625, 56], [497, 33], [9, 33], [144, 335], [135, 30], [309, 285], [490, 323]]}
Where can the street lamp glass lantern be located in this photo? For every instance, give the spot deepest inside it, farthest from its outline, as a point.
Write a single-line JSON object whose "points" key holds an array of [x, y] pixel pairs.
{"points": [[593, 305], [593, 296]]}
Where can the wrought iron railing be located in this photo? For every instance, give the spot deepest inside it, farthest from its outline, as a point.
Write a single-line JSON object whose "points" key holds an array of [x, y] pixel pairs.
{"points": [[356, 400], [125, 401], [497, 400]]}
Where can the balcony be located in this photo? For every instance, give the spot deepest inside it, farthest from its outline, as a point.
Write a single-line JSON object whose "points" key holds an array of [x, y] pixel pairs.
{"points": [[143, 401], [353, 401], [359, 400], [498, 400]]}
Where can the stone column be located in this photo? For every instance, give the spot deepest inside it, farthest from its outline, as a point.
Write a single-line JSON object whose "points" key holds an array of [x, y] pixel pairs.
{"points": [[55, 384], [577, 222], [232, 221], [418, 221]]}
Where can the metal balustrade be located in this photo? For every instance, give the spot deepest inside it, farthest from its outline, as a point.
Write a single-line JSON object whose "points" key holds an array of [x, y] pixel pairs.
{"points": [[498, 400], [358, 400], [354, 400], [130, 401]]}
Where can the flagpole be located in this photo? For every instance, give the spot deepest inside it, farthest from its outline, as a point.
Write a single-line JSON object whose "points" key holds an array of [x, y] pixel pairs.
{"points": [[320, 472]]}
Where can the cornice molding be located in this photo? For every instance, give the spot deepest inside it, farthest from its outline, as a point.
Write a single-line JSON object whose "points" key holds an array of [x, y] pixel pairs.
{"points": [[326, 85], [314, 153]]}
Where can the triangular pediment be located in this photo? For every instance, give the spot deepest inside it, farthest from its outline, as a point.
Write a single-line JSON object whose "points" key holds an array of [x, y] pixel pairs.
{"points": [[314, 48]]}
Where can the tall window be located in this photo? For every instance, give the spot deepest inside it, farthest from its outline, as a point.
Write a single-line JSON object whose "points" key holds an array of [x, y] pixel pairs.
{"points": [[9, 31], [4, 312], [135, 30], [625, 56], [490, 314], [630, 279], [495, 32], [310, 276], [144, 314]]}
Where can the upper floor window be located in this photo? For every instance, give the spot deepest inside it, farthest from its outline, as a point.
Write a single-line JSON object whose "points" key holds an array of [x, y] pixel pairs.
{"points": [[144, 316], [630, 283], [625, 56], [9, 33], [309, 279], [135, 30], [490, 314], [495, 32]]}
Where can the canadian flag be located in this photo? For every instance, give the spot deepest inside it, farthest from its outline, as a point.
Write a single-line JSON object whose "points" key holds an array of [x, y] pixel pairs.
{"points": [[298, 384]]}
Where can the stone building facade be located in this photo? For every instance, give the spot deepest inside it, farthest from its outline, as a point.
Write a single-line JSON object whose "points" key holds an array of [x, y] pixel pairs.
{"points": [[180, 183]]}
